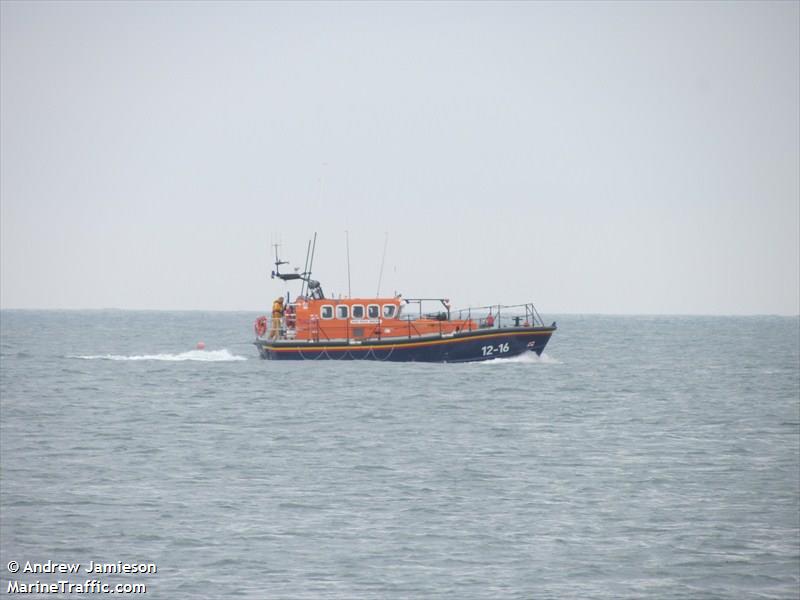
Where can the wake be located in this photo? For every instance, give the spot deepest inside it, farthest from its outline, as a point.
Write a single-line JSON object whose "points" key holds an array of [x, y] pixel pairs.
{"points": [[196, 355], [524, 358]]}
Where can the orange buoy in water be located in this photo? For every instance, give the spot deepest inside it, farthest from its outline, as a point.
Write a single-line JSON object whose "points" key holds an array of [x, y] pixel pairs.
{"points": [[201, 345]]}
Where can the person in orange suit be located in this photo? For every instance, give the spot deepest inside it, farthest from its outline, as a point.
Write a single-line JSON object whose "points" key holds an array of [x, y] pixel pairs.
{"points": [[277, 314]]}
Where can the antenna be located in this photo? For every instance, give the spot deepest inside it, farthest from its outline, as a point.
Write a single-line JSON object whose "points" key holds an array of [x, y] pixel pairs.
{"points": [[278, 263], [347, 239], [313, 248], [277, 272], [305, 270], [383, 259]]}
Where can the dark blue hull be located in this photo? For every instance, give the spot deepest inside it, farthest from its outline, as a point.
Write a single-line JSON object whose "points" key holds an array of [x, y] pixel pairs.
{"points": [[468, 346]]}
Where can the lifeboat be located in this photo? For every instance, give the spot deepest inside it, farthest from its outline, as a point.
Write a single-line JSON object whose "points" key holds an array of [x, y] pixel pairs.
{"points": [[314, 327]]}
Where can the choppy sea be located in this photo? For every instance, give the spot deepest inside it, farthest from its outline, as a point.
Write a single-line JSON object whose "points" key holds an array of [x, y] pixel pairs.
{"points": [[640, 457]]}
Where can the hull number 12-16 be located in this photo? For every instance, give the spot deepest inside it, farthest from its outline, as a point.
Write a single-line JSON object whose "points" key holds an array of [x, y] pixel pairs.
{"points": [[492, 350]]}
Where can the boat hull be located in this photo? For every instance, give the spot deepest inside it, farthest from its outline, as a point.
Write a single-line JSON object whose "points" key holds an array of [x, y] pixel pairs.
{"points": [[468, 346]]}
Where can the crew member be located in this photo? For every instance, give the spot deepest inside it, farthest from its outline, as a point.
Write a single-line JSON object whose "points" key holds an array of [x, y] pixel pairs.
{"points": [[289, 317], [277, 313]]}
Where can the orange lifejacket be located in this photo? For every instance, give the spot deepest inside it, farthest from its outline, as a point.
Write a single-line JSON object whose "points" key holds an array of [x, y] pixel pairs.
{"points": [[277, 309]]}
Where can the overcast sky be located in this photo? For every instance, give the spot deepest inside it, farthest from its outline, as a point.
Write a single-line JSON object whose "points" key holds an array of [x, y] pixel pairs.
{"points": [[633, 157]]}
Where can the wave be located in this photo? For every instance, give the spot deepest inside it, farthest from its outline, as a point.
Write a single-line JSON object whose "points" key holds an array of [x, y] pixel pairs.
{"points": [[528, 357], [197, 355]]}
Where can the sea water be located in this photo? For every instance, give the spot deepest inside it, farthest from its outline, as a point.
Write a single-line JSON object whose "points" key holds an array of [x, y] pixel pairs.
{"points": [[640, 457]]}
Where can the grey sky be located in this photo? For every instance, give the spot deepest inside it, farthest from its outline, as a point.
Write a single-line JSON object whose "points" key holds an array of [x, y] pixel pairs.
{"points": [[622, 158]]}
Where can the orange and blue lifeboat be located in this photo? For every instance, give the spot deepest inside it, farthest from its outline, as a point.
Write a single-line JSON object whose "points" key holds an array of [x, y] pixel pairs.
{"points": [[318, 328]]}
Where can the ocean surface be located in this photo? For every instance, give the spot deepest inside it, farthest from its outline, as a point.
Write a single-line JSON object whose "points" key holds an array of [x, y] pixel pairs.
{"points": [[640, 457]]}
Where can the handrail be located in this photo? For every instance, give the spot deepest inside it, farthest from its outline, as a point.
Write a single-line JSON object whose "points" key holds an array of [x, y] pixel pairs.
{"points": [[503, 313]]}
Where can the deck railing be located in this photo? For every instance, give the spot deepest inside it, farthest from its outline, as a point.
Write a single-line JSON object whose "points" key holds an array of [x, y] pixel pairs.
{"points": [[501, 316]]}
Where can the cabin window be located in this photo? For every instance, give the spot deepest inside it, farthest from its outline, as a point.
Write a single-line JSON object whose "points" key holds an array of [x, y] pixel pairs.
{"points": [[374, 311], [358, 311], [342, 311], [326, 311], [389, 310]]}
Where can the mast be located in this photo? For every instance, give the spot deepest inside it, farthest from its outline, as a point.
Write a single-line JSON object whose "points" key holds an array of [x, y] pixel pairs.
{"points": [[347, 239], [305, 269], [383, 259], [313, 250]]}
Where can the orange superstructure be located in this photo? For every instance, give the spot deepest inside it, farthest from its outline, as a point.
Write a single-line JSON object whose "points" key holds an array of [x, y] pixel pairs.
{"points": [[320, 319]]}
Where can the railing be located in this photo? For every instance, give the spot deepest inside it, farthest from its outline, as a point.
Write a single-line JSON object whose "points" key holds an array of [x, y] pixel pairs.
{"points": [[500, 316]]}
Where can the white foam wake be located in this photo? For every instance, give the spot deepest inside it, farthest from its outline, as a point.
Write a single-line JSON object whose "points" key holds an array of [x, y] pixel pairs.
{"points": [[526, 357], [199, 355]]}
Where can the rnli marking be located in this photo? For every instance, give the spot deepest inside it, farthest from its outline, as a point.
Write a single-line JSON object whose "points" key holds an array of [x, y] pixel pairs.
{"points": [[492, 350]]}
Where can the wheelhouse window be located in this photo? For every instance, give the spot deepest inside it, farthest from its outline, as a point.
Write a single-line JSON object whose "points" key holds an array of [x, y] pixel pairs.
{"points": [[389, 310], [358, 311], [342, 311], [374, 311], [326, 311]]}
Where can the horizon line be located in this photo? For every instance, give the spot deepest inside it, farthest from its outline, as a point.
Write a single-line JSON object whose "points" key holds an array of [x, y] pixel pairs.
{"points": [[261, 310]]}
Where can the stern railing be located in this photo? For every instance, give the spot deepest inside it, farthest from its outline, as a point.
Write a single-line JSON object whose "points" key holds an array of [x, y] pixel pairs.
{"points": [[501, 316]]}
